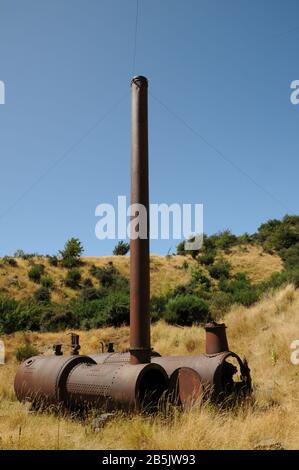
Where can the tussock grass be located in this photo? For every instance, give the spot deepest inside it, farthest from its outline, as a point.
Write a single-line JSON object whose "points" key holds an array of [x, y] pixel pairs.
{"points": [[254, 261], [166, 272], [263, 333]]}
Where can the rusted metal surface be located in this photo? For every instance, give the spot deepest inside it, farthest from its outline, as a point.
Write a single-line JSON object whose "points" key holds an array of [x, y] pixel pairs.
{"points": [[75, 346], [42, 379], [216, 373], [111, 357], [216, 340], [57, 348], [117, 385], [139, 247], [185, 387], [117, 357]]}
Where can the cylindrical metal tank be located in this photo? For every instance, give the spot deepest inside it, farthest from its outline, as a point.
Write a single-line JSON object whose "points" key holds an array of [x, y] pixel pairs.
{"points": [[215, 371], [117, 385], [42, 379], [185, 387]]}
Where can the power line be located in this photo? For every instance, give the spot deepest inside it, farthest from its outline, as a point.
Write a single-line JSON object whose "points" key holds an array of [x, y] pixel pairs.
{"points": [[63, 156], [135, 38], [219, 153]]}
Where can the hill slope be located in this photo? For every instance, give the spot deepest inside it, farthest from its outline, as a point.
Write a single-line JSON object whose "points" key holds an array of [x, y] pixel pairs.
{"points": [[263, 333], [166, 272]]}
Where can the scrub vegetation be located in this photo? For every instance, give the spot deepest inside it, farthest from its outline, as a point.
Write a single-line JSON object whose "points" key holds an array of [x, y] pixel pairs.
{"points": [[262, 332]]}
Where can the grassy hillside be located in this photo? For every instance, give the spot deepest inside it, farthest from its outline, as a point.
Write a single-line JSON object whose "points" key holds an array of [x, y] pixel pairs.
{"points": [[262, 332], [254, 261], [166, 272]]}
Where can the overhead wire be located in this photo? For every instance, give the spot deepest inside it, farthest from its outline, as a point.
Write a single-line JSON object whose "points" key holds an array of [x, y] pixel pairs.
{"points": [[219, 152]]}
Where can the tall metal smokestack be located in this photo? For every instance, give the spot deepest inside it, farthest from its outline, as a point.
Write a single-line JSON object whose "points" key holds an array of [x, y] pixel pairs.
{"points": [[140, 348]]}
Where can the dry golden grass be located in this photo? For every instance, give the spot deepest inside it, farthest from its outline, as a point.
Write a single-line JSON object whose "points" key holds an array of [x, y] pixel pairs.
{"points": [[263, 333], [166, 271], [255, 262]]}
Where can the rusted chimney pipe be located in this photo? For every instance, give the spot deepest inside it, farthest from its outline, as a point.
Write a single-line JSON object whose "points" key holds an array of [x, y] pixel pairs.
{"points": [[140, 350], [216, 340]]}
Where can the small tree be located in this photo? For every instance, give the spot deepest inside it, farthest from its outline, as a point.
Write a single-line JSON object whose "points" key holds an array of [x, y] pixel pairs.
{"points": [[121, 249], [19, 253], [71, 253]]}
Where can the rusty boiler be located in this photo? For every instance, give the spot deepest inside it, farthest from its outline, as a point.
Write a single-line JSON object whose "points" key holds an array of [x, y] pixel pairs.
{"points": [[139, 378]]}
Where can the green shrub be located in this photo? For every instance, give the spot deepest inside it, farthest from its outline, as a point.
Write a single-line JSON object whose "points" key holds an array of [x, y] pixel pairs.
{"points": [[279, 235], [294, 277], [117, 309], [120, 283], [16, 315], [42, 294], [24, 352], [73, 278], [290, 256], [47, 281], [266, 229], [10, 261], [275, 281], [186, 310], [245, 239], [112, 309], [90, 293], [109, 276], [69, 262], [225, 240], [182, 289], [246, 297], [198, 278], [220, 270], [209, 243], [53, 260], [158, 307], [206, 259], [58, 319], [21, 254], [89, 314], [121, 249], [35, 272], [87, 282], [241, 289]]}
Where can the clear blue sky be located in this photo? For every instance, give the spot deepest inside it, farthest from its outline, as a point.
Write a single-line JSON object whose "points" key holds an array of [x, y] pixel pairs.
{"points": [[225, 67]]}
